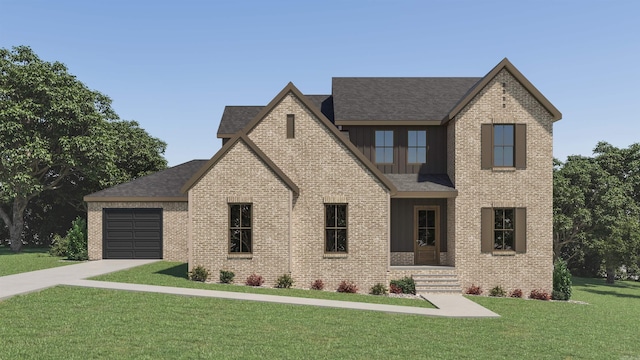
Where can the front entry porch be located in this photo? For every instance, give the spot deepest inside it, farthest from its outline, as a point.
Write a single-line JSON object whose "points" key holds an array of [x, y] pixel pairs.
{"points": [[419, 232]]}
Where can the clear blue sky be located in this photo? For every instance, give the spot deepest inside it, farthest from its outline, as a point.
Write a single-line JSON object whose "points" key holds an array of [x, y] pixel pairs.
{"points": [[173, 65]]}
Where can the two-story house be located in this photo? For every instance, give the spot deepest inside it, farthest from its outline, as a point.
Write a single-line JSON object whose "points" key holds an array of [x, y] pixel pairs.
{"points": [[448, 180]]}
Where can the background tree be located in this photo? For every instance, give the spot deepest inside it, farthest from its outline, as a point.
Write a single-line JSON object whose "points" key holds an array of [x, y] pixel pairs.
{"points": [[56, 134], [597, 210]]}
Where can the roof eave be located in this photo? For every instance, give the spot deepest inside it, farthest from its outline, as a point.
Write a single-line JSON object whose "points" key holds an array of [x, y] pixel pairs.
{"points": [[90, 198]]}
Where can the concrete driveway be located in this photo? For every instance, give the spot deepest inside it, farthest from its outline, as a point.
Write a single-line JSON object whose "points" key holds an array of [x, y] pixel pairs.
{"points": [[11, 285]]}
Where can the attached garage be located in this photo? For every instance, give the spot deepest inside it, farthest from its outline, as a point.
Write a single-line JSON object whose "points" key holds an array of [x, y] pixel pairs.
{"points": [[132, 234], [146, 218]]}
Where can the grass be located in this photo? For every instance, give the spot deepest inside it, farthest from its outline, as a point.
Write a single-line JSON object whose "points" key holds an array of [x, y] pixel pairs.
{"points": [[29, 259], [129, 325], [175, 274]]}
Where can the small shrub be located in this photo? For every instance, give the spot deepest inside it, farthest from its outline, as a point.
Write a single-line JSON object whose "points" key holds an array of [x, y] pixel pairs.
{"points": [[317, 285], [226, 277], [473, 290], [254, 280], [561, 281], [539, 295], [347, 287], [498, 291], [395, 289], [378, 289], [407, 284], [559, 295], [284, 282], [517, 293], [59, 246], [77, 240], [199, 273]]}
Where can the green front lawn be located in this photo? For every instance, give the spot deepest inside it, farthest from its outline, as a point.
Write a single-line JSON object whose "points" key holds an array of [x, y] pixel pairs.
{"points": [[126, 325], [29, 259], [166, 273]]}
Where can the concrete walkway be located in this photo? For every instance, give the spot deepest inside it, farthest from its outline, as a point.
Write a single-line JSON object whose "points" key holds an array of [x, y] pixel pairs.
{"points": [[455, 306], [23, 283]]}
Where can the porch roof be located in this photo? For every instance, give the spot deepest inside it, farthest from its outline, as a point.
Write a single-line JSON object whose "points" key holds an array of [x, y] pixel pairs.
{"points": [[423, 185]]}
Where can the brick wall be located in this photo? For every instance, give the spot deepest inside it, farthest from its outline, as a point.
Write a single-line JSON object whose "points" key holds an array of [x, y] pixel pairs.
{"points": [[174, 232], [326, 171], [530, 188], [241, 177]]}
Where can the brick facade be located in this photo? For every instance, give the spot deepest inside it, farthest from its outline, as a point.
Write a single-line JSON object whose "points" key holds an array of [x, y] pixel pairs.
{"points": [[289, 230], [531, 188], [174, 232]]}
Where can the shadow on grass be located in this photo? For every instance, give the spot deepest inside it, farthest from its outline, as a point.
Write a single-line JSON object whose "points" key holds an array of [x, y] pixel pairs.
{"points": [[611, 293], [179, 271], [5, 250]]}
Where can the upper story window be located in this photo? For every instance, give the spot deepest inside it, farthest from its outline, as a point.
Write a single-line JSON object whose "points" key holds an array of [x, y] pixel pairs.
{"points": [[417, 147], [503, 145], [384, 146]]}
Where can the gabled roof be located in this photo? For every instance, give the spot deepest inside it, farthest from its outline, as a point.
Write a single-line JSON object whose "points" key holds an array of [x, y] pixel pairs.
{"points": [[504, 64], [234, 118], [397, 100], [240, 136], [315, 110], [163, 185]]}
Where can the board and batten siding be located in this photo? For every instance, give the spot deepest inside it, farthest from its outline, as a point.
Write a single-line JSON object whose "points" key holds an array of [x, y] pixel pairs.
{"points": [[363, 137], [402, 226]]}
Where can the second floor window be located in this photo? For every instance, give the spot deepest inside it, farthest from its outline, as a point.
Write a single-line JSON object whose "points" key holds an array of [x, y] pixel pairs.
{"points": [[417, 147], [503, 144], [384, 146]]}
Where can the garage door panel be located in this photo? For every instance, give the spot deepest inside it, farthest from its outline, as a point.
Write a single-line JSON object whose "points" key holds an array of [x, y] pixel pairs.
{"points": [[146, 245], [142, 254], [120, 245], [120, 224], [145, 224], [132, 233]]}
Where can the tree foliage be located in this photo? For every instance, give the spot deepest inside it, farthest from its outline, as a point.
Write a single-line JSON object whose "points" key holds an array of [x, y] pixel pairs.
{"points": [[597, 210], [59, 141]]}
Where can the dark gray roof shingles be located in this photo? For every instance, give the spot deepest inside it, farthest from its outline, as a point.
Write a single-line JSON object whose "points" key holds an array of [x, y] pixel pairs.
{"points": [[234, 118], [421, 182], [405, 98], [165, 183]]}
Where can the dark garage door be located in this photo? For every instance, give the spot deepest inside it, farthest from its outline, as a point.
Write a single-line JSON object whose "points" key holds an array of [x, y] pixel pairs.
{"points": [[132, 234]]}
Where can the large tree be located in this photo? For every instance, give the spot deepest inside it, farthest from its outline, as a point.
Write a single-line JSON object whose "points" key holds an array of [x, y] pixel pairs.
{"points": [[58, 136], [597, 209]]}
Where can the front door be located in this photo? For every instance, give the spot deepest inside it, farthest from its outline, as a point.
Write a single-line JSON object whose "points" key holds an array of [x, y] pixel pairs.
{"points": [[427, 235]]}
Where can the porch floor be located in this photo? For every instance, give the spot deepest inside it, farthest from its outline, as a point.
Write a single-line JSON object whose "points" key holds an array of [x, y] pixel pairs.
{"points": [[422, 267]]}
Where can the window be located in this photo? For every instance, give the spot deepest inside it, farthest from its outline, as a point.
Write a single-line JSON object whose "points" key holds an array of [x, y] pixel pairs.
{"points": [[503, 145], [417, 147], [504, 230], [335, 228], [240, 228], [291, 126], [384, 147]]}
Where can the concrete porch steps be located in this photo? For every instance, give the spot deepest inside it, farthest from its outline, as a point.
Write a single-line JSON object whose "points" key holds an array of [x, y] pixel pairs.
{"points": [[437, 282]]}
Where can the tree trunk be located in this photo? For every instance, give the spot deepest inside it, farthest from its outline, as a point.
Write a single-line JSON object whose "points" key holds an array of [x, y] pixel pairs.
{"points": [[15, 223], [611, 275]]}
